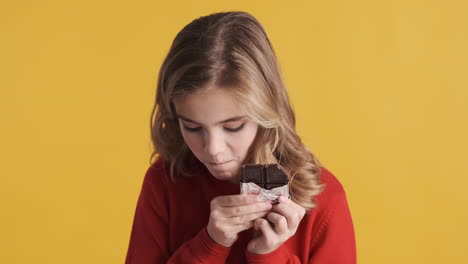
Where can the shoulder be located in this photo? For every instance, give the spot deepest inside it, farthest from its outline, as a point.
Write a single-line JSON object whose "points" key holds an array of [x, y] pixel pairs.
{"points": [[159, 164], [330, 180], [158, 173], [332, 224], [333, 190]]}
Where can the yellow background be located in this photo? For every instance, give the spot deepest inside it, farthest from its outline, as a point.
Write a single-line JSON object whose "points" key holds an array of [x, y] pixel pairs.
{"points": [[380, 89]]}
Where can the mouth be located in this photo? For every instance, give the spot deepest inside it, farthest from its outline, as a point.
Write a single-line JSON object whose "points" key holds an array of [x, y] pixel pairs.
{"points": [[218, 163]]}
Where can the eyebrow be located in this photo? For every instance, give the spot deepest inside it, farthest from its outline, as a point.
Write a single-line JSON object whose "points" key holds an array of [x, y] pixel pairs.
{"points": [[236, 118]]}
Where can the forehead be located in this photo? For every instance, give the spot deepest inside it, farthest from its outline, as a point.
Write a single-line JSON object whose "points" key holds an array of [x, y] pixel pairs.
{"points": [[208, 106]]}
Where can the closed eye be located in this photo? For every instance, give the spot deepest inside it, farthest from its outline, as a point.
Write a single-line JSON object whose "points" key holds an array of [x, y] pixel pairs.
{"points": [[197, 129], [192, 129], [235, 129]]}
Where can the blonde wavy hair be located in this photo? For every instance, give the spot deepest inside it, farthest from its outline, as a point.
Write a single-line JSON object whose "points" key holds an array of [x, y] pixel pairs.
{"points": [[230, 50]]}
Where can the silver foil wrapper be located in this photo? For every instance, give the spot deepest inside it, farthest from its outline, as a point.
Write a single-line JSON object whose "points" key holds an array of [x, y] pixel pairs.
{"points": [[265, 195]]}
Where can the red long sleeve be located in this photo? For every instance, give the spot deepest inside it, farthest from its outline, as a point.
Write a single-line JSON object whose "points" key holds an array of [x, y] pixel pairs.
{"points": [[332, 236], [149, 241], [171, 217], [281, 255], [334, 240]]}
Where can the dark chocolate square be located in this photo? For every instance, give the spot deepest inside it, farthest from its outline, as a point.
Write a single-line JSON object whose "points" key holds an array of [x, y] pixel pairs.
{"points": [[266, 176]]}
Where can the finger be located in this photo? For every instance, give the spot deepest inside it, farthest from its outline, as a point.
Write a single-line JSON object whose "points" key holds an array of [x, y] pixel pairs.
{"points": [[234, 211], [280, 222], [234, 200], [287, 212], [254, 243], [267, 231], [291, 211], [242, 227], [284, 200], [246, 218]]}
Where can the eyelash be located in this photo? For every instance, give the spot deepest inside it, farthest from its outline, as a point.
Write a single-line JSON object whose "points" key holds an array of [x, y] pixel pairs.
{"points": [[196, 129]]}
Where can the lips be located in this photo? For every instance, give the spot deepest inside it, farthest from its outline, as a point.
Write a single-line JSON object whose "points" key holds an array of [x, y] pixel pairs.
{"points": [[218, 163]]}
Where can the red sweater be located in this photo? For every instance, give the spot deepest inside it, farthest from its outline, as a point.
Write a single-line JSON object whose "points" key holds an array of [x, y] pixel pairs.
{"points": [[171, 218]]}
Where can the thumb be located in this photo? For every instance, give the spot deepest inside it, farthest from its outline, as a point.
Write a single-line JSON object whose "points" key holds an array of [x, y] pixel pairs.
{"points": [[253, 245]]}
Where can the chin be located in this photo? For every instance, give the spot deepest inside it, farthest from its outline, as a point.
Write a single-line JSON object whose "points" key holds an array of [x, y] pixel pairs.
{"points": [[224, 175]]}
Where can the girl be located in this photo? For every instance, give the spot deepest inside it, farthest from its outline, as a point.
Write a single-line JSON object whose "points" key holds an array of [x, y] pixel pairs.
{"points": [[221, 102]]}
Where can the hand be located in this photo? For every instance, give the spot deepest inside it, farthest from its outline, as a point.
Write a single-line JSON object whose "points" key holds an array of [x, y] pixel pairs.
{"points": [[285, 218], [232, 214]]}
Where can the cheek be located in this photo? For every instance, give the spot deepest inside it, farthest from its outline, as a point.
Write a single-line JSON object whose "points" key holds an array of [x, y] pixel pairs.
{"points": [[191, 140], [245, 139]]}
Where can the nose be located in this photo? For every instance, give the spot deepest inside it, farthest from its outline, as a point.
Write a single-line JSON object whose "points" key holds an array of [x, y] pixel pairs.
{"points": [[214, 145]]}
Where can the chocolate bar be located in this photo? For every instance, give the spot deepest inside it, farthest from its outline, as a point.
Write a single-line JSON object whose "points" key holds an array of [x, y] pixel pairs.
{"points": [[266, 176]]}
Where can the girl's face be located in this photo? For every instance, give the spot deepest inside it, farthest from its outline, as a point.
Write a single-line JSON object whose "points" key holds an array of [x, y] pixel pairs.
{"points": [[216, 130]]}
